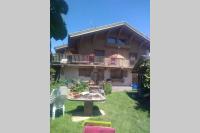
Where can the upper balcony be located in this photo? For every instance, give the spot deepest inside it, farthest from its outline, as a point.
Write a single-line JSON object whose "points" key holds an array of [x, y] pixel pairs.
{"points": [[91, 60]]}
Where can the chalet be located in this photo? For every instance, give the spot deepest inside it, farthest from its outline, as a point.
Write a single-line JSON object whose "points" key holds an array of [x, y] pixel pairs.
{"points": [[102, 53]]}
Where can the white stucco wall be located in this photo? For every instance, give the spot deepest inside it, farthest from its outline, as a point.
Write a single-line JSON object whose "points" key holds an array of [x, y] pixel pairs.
{"points": [[125, 83], [72, 73], [69, 73], [106, 74], [126, 80], [84, 78]]}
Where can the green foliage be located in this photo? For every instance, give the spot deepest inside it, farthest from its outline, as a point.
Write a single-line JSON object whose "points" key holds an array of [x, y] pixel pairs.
{"points": [[57, 84], [52, 74], [66, 81], [77, 86], [120, 109], [58, 29], [80, 86], [52, 71], [107, 88], [145, 68], [57, 25]]}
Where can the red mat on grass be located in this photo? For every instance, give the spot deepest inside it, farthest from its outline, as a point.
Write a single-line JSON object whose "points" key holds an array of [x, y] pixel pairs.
{"points": [[98, 129]]}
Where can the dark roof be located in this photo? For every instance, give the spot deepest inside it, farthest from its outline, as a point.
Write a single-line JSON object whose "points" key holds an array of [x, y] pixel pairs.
{"points": [[100, 28]]}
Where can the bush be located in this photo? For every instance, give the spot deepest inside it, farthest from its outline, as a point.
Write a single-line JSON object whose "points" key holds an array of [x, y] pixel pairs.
{"points": [[144, 69], [77, 86], [57, 84], [65, 82], [80, 87], [107, 88], [52, 74]]}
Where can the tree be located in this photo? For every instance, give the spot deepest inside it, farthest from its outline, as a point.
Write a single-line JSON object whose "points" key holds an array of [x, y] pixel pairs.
{"points": [[58, 29], [57, 24], [143, 69]]}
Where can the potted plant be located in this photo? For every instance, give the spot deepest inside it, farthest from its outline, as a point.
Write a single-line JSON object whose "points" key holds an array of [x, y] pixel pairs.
{"points": [[78, 88]]}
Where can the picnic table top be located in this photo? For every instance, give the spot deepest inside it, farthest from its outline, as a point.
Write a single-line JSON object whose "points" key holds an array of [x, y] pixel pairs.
{"points": [[94, 97]]}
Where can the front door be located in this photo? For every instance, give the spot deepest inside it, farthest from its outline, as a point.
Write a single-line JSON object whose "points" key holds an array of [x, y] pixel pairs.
{"points": [[98, 75]]}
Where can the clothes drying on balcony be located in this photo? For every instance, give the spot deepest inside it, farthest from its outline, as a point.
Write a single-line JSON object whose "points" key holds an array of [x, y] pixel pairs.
{"points": [[63, 61]]}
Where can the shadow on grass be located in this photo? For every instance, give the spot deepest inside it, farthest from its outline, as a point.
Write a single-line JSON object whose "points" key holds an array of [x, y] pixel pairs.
{"points": [[79, 111], [59, 113], [142, 103]]}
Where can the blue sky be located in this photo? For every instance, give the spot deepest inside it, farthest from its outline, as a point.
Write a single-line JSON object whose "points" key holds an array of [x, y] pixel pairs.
{"points": [[85, 14]]}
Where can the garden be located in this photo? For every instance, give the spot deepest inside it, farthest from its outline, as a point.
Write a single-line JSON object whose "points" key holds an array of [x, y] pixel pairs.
{"points": [[127, 112]]}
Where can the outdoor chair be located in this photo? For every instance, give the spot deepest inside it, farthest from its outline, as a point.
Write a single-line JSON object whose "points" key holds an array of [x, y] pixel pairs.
{"points": [[64, 90], [58, 102], [64, 61], [52, 97]]}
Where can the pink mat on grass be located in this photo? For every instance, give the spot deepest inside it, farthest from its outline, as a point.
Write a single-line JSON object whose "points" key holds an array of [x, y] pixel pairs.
{"points": [[98, 129]]}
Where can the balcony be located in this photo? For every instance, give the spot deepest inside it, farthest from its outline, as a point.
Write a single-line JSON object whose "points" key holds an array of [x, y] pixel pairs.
{"points": [[77, 59]]}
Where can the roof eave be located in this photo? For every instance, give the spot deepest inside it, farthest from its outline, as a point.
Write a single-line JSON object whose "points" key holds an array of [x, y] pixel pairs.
{"points": [[61, 47], [92, 30]]}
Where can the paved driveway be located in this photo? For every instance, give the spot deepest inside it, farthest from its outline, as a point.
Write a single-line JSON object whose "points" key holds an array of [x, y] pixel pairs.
{"points": [[121, 88]]}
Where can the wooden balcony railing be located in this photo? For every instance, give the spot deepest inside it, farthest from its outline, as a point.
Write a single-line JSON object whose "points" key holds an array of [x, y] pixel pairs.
{"points": [[92, 60], [56, 58], [117, 62]]}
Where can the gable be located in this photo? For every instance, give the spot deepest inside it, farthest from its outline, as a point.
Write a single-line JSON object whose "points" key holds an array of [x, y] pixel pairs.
{"points": [[110, 28]]}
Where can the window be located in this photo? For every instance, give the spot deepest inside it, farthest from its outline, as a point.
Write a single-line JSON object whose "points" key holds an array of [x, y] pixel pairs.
{"points": [[99, 52], [116, 73], [121, 41], [85, 72], [125, 73], [132, 58], [111, 40]]}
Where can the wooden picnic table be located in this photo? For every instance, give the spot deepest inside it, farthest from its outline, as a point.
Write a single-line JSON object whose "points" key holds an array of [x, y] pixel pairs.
{"points": [[88, 100]]}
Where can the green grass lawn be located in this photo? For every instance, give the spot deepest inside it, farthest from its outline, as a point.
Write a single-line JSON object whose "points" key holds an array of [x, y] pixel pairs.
{"points": [[127, 114]]}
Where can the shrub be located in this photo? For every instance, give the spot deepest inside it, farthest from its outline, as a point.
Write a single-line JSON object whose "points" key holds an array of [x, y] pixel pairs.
{"points": [[52, 74], [144, 69], [52, 71], [57, 84], [65, 82], [77, 86], [107, 88], [80, 87]]}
